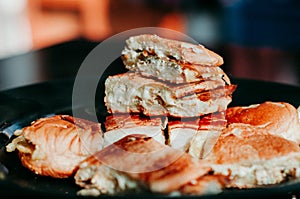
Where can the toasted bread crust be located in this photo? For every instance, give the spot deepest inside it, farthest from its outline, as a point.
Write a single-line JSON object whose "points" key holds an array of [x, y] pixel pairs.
{"points": [[54, 146], [209, 184], [172, 60], [118, 121], [242, 143], [279, 118], [183, 51], [252, 157], [133, 93], [165, 169]]}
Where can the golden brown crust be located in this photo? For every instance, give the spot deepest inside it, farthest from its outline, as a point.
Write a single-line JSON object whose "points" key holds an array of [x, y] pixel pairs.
{"points": [[280, 118], [118, 126], [117, 121], [206, 122], [162, 168], [139, 94], [245, 143], [183, 51], [209, 184], [260, 114], [54, 146]]}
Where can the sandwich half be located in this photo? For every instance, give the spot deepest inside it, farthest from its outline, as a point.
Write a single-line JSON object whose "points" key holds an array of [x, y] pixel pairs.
{"points": [[171, 60], [54, 146], [133, 93], [253, 157], [138, 162]]}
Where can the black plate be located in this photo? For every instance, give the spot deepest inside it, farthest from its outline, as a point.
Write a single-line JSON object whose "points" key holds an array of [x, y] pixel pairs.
{"points": [[20, 106]]}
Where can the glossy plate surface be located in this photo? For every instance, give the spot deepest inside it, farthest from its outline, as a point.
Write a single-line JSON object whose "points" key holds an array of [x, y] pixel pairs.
{"points": [[20, 106]]}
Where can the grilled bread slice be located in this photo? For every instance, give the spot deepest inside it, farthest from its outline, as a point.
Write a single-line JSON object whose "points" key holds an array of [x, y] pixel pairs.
{"points": [[118, 126], [54, 146], [171, 60], [138, 162], [253, 157], [132, 93]]}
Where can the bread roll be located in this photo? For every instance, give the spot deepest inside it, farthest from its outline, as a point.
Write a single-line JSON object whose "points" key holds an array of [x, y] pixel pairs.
{"points": [[279, 118]]}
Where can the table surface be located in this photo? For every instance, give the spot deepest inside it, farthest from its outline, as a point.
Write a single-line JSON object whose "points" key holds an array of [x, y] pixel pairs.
{"points": [[55, 62], [64, 60]]}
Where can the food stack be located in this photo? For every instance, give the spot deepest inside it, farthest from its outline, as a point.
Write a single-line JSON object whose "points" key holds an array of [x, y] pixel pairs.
{"points": [[168, 77], [179, 80], [172, 87]]}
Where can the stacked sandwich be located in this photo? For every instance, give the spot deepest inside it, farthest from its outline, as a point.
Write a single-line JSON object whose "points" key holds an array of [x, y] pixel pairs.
{"points": [[168, 77], [184, 82]]}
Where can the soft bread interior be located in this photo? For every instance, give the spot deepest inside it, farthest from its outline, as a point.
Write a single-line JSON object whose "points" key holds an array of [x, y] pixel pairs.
{"points": [[252, 157], [132, 93], [166, 48], [171, 60]]}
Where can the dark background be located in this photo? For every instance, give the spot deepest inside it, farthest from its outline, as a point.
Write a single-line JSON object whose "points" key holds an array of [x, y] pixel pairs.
{"points": [[258, 39]]}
